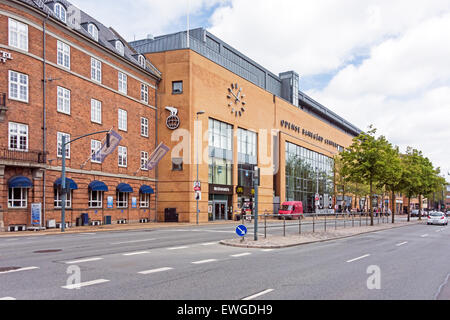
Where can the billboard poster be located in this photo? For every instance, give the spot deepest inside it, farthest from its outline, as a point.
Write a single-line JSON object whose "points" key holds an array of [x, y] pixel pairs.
{"points": [[134, 202], [110, 202], [36, 214]]}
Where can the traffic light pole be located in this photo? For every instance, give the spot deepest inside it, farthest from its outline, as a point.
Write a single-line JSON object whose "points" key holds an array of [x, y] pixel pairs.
{"points": [[256, 180]]}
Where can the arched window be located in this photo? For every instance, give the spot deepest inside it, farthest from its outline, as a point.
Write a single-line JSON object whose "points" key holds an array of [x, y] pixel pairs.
{"points": [[93, 31], [60, 12], [141, 60], [120, 48]]}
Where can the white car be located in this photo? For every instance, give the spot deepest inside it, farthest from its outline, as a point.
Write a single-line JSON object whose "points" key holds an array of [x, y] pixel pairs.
{"points": [[436, 217]]}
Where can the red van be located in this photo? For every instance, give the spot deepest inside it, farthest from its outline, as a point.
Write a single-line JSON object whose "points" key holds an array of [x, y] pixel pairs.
{"points": [[294, 208]]}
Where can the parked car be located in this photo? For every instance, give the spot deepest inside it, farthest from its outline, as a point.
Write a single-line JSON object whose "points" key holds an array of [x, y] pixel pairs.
{"points": [[414, 213], [292, 210], [437, 217]]}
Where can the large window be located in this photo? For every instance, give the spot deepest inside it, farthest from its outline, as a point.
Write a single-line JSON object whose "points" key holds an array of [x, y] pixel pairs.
{"points": [[96, 145], [59, 144], [144, 93], [123, 124], [96, 111], [247, 157], [17, 197], [95, 199], [96, 70], [122, 199], [93, 31], [60, 12], [63, 58], [144, 127], [123, 160], [18, 136], [58, 199], [220, 135], [120, 47], [144, 160], [123, 83], [18, 86], [144, 200], [18, 35], [307, 172], [63, 103], [221, 155]]}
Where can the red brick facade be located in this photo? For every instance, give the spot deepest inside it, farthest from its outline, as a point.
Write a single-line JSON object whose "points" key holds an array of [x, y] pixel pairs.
{"points": [[82, 89]]}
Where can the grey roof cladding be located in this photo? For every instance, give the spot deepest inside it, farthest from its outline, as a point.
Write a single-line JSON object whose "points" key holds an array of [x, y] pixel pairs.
{"points": [[78, 20], [211, 47]]}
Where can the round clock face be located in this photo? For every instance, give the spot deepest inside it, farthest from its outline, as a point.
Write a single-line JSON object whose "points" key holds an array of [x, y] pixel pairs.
{"points": [[236, 101]]}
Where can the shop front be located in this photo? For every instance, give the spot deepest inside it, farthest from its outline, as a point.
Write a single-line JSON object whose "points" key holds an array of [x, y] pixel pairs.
{"points": [[220, 202]]}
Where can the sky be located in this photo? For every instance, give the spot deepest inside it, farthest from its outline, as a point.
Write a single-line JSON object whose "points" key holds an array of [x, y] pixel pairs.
{"points": [[374, 62]]}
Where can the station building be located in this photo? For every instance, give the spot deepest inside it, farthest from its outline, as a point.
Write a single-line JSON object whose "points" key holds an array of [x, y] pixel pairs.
{"points": [[64, 73], [232, 114]]}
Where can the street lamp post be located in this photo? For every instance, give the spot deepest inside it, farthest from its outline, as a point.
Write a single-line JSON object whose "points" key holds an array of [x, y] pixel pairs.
{"points": [[196, 142]]}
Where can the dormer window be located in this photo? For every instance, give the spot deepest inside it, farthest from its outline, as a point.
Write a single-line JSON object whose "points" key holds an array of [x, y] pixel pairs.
{"points": [[93, 31], [60, 12], [120, 48], [141, 60]]}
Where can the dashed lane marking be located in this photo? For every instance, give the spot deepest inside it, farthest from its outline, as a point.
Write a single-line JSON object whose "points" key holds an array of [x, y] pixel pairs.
{"points": [[359, 258], [84, 284], [155, 270], [258, 294], [21, 269], [204, 261], [83, 260]]}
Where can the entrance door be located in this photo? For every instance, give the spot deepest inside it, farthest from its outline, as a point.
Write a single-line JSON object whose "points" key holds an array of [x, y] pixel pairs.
{"points": [[220, 210]]}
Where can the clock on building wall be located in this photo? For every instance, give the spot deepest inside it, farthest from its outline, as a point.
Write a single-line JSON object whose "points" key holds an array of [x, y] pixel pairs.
{"points": [[236, 101]]}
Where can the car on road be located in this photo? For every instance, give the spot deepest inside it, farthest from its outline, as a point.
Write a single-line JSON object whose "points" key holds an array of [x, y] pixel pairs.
{"points": [[291, 210], [436, 217]]}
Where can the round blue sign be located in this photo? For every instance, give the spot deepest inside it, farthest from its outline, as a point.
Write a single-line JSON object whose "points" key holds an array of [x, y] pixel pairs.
{"points": [[241, 230]]}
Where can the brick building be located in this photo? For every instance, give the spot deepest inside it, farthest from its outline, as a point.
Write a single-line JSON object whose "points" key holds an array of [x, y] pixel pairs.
{"points": [[64, 73]]}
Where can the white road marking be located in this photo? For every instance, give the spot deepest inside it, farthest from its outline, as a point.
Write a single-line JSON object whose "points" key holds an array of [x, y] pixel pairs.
{"points": [[258, 294], [7, 298], [400, 244], [21, 269], [87, 233], [83, 260], [177, 248], [359, 258], [84, 284], [204, 261], [209, 243], [424, 235], [241, 254], [267, 250], [155, 270], [134, 241], [136, 253]]}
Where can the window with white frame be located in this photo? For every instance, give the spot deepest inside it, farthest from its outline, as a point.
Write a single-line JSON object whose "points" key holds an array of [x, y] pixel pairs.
{"points": [[96, 145], [144, 93], [96, 111], [63, 103], [17, 197], [18, 136], [141, 60], [58, 199], [63, 58], [59, 144], [144, 127], [93, 31], [18, 86], [60, 12], [96, 70], [18, 34], [95, 199], [123, 160], [122, 199], [144, 200], [120, 47], [123, 125], [144, 160], [123, 83]]}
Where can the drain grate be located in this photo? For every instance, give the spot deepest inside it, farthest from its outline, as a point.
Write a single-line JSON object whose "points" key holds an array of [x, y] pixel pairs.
{"points": [[5, 269], [48, 251]]}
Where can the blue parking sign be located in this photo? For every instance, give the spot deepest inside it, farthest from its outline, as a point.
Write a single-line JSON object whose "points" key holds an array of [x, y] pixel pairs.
{"points": [[241, 230]]}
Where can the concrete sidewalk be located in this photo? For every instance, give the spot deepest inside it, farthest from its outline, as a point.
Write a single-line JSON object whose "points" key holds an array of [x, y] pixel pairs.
{"points": [[274, 242]]}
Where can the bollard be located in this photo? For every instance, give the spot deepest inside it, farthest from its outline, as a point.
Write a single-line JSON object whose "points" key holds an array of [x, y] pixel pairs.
{"points": [[299, 225], [360, 219], [344, 220], [265, 225], [353, 220], [284, 226], [313, 223], [325, 223]]}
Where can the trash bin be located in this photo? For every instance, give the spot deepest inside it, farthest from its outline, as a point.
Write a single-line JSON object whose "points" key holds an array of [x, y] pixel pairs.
{"points": [[85, 219]]}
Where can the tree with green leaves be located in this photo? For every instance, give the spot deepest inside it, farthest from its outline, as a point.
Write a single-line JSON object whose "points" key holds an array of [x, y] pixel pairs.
{"points": [[366, 161]]}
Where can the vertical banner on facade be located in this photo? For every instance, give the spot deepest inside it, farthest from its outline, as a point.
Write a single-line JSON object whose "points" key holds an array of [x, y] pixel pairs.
{"points": [[110, 202], [104, 151], [160, 151], [134, 202], [36, 214]]}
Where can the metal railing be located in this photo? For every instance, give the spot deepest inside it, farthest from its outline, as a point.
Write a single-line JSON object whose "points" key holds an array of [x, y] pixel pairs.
{"points": [[312, 222], [34, 156]]}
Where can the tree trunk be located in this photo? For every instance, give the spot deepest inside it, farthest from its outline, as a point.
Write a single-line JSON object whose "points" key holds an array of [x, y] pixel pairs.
{"points": [[409, 209], [420, 207], [393, 206], [371, 204]]}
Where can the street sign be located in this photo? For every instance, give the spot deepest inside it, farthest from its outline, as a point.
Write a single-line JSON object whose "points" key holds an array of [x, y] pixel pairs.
{"points": [[317, 197], [197, 186], [198, 195], [241, 230]]}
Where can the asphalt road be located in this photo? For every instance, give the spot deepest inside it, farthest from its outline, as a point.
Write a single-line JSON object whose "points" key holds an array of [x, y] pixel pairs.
{"points": [[187, 263]]}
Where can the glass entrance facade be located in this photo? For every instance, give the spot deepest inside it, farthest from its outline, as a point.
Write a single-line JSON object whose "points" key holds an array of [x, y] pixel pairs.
{"points": [[306, 172]]}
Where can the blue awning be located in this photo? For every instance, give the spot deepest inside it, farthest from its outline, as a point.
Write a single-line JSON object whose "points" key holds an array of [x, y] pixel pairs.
{"points": [[146, 190], [69, 183], [20, 182], [98, 186], [123, 187]]}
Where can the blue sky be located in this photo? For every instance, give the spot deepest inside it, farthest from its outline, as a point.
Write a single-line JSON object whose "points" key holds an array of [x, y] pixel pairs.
{"points": [[381, 62]]}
